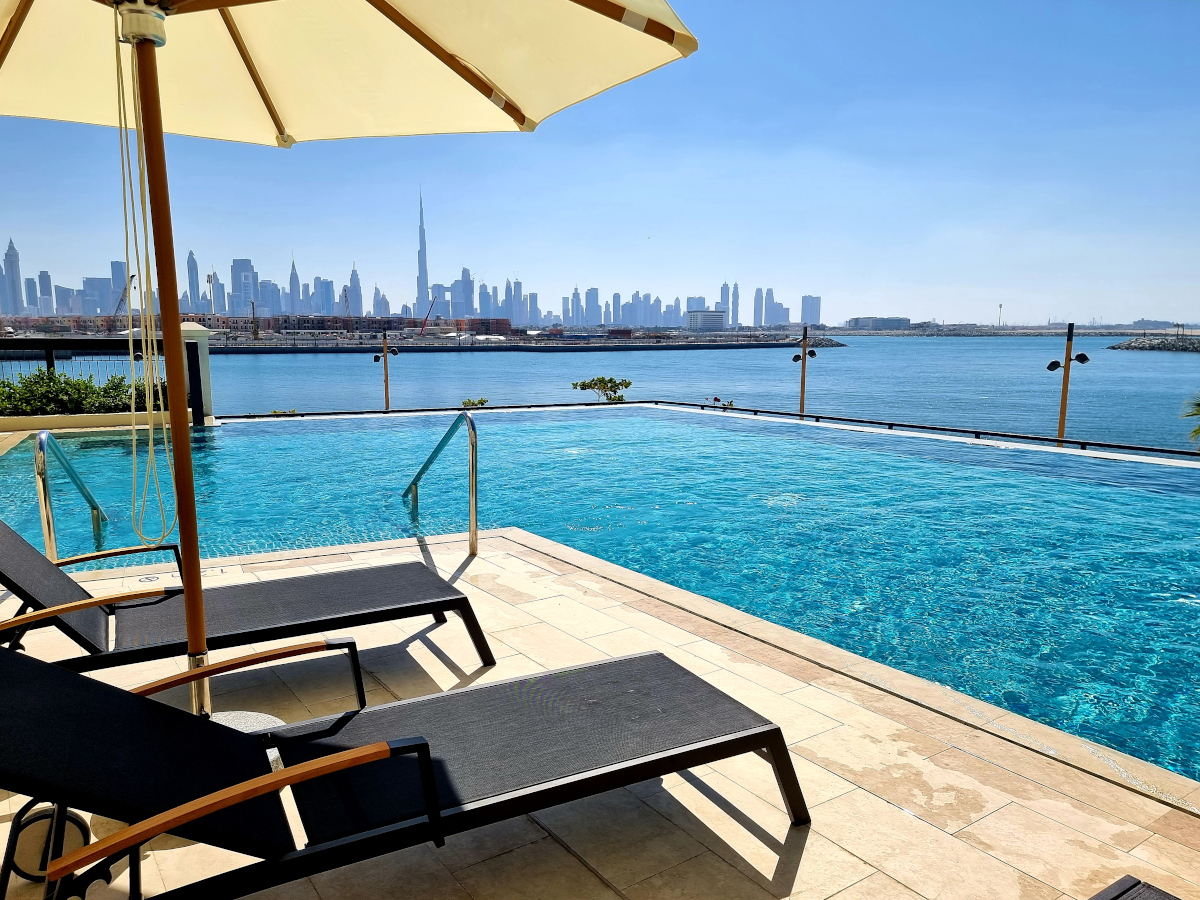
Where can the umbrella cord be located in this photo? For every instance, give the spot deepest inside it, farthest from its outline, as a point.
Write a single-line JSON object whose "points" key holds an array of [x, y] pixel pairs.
{"points": [[134, 206]]}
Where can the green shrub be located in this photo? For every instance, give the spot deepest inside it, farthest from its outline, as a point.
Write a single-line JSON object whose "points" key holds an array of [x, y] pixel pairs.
{"points": [[45, 393], [607, 389]]}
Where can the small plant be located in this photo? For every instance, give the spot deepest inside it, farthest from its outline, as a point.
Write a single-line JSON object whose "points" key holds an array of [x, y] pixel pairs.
{"points": [[717, 401], [282, 412], [45, 393], [1193, 410], [606, 389], [482, 401]]}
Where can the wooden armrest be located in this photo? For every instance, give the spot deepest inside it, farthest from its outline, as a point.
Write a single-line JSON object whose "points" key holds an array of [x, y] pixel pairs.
{"points": [[120, 551], [63, 608], [240, 662], [139, 833]]}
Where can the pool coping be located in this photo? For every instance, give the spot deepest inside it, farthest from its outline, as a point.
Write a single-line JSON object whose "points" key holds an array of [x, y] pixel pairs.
{"points": [[1148, 780]]}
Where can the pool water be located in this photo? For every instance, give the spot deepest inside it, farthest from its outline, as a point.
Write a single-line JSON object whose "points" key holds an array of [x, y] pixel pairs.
{"points": [[1060, 587]]}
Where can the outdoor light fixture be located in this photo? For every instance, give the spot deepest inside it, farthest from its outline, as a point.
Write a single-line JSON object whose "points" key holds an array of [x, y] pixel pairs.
{"points": [[1054, 366], [384, 354], [802, 357]]}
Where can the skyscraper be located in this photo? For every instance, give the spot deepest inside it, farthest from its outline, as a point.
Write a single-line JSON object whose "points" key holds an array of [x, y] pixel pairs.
{"points": [[616, 309], [193, 282], [566, 315], [733, 312], [97, 296], [119, 280], [462, 296], [810, 310], [243, 287], [576, 308], [723, 303], [422, 303], [355, 293], [45, 294], [519, 313], [758, 307], [380, 305], [295, 300], [535, 314], [12, 280], [591, 311], [485, 301], [31, 296], [217, 299], [506, 311]]}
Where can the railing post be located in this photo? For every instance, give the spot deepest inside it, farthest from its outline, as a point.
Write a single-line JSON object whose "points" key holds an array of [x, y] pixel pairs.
{"points": [[43, 490], [195, 383], [50, 360], [472, 479]]}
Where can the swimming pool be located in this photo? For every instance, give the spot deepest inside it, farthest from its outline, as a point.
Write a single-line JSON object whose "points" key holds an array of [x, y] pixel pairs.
{"points": [[1063, 588]]}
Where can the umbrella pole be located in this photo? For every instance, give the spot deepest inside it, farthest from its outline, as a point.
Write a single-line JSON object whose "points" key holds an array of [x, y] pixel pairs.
{"points": [[173, 357]]}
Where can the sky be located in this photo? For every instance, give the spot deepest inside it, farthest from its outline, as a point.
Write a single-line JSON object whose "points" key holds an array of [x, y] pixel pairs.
{"points": [[925, 158]]}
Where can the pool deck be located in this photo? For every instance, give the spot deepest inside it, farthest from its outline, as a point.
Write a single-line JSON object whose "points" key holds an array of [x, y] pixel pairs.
{"points": [[915, 790]]}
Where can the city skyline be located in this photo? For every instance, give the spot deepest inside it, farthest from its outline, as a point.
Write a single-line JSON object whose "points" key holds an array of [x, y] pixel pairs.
{"points": [[932, 160]]}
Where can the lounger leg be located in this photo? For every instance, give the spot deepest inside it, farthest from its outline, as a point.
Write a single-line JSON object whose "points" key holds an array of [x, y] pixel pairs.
{"points": [[478, 638], [440, 616], [776, 753], [135, 873], [10, 849], [54, 847]]}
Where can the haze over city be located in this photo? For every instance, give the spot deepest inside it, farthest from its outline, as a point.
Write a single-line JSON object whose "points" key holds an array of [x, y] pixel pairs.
{"points": [[925, 159]]}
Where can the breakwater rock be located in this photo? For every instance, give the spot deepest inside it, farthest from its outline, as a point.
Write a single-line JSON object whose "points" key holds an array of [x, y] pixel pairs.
{"points": [[1176, 344], [820, 342]]}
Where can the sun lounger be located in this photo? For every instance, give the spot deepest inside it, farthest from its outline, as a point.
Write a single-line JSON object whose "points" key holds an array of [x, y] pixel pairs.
{"points": [[149, 624], [1130, 888], [365, 783]]}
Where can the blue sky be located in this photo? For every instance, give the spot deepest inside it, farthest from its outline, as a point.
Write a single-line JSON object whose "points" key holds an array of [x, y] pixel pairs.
{"points": [[914, 157]]}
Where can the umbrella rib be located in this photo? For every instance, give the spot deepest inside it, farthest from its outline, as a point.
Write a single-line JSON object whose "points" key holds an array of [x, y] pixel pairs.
{"points": [[681, 41], [282, 137], [13, 28], [453, 63]]}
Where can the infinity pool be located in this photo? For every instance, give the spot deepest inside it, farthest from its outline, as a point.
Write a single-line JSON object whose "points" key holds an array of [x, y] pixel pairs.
{"points": [[1059, 587]]}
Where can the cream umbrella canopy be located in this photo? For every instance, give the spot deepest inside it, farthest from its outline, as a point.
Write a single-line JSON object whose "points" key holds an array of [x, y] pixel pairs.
{"points": [[280, 71]]}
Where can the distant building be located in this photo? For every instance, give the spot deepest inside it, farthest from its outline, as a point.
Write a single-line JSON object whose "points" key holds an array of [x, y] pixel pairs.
{"points": [[694, 303], [462, 296], [733, 313], [13, 304], [758, 307], [422, 303], [519, 312], [45, 294], [706, 319], [296, 297], [193, 271], [217, 298], [354, 294], [120, 279], [485, 301], [576, 309], [97, 297], [531, 306], [270, 299], [440, 297], [810, 310], [878, 323], [616, 309], [591, 312], [243, 287], [723, 303]]}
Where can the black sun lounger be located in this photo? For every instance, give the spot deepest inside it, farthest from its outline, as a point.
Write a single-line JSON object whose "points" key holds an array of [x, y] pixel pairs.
{"points": [[365, 783], [150, 624]]}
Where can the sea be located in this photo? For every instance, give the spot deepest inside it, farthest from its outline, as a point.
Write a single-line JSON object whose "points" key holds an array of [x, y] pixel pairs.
{"points": [[993, 383]]}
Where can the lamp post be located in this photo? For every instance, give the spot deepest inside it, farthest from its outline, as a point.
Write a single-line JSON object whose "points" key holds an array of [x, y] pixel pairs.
{"points": [[1055, 365], [387, 399], [802, 358]]}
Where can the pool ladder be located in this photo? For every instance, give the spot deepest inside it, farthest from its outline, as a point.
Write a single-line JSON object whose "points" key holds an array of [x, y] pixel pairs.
{"points": [[45, 441], [412, 495]]}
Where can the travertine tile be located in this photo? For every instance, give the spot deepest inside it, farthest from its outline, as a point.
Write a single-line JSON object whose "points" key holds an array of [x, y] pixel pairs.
{"points": [[512, 588], [1060, 856], [758, 839], [797, 722], [619, 836], [1166, 854], [548, 646], [634, 640], [756, 775], [657, 628], [877, 887], [1179, 827], [706, 877], [538, 871], [319, 679], [919, 855], [415, 872], [747, 668], [471, 847], [573, 617]]}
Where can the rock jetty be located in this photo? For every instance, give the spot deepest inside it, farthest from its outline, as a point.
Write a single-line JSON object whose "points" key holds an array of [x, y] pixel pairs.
{"points": [[1175, 344], [818, 343]]}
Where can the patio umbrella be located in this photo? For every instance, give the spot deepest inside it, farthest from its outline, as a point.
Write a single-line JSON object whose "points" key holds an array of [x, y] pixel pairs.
{"points": [[280, 71]]}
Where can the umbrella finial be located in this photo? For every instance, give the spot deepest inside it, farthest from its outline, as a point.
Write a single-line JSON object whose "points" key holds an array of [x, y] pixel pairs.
{"points": [[142, 22]]}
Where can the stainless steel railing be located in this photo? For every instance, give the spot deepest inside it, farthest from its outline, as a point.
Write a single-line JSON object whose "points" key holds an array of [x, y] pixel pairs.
{"points": [[412, 494], [45, 441]]}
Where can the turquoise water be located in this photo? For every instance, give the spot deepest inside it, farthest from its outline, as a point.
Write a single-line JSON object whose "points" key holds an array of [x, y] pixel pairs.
{"points": [[1062, 588], [1000, 384]]}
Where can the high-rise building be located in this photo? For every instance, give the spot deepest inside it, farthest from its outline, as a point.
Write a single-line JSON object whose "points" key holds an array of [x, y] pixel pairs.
{"points": [[607, 313], [531, 305], [120, 279], [380, 305], [355, 293], [12, 281], [217, 298], [506, 309], [193, 281], [440, 295], [576, 308], [566, 314], [322, 297], [758, 307], [295, 298], [723, 303], [45, 294], [243, 287], [591, 311], [462, 296], [305, 299], [616, 309], [733, 311], [495, 301], [696, 303], [64, 301], [810, 310], [775, 313], [485, 301], [31, 296], [422, 304], [520, 311], [97, 296]]}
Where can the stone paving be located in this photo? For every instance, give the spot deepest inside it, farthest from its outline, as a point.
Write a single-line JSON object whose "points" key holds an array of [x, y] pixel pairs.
{"points": [[915, 790]]}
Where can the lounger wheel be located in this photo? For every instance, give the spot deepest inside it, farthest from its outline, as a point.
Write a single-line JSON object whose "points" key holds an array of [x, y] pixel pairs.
{"points": [[33, 836]]}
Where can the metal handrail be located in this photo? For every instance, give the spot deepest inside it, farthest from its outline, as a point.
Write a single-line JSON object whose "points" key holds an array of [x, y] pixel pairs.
{"points": [[45, 441], [412, 493]]}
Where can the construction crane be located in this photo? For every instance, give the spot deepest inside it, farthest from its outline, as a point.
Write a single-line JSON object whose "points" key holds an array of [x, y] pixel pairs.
{"points": [[428, 312], [111, 324]]}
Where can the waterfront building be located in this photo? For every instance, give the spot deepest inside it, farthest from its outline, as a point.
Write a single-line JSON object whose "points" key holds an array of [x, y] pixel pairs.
{"points": [[706, 320], [879, 323], [810, 310], [12, 281], [591, 311], [422, 303], [733, 311], [193, 275]]}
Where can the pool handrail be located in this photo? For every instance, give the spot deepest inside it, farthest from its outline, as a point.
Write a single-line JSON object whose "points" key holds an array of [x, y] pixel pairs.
{"points": [[411, 492], [45, 441]]}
